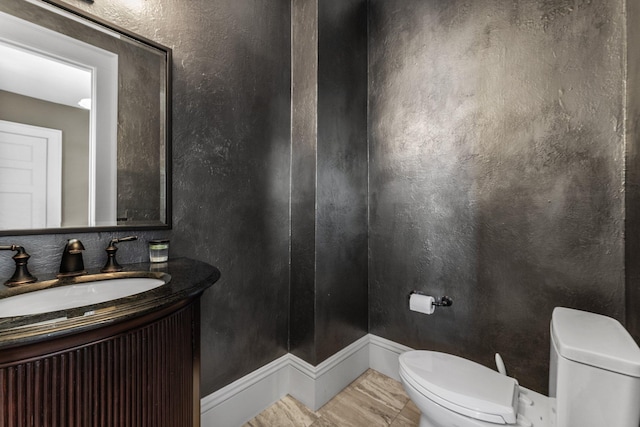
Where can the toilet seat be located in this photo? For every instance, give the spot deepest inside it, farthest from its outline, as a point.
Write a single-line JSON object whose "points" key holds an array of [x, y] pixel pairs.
{"points": [[461, 385]]}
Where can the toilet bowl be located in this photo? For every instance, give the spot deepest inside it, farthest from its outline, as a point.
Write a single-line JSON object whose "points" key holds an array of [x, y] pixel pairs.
{"points": [[594, 381], [452, 391]]}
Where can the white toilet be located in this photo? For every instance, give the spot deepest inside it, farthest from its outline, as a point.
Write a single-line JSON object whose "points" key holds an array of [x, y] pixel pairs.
{"points": [[594, 381]]}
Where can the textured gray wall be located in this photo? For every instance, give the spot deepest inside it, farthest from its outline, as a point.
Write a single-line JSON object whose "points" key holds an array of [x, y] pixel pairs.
{"points": [[496, 171], [341, 227], [329, 177], [304, 144], [632, 184], [231, 156], [231, 174]]}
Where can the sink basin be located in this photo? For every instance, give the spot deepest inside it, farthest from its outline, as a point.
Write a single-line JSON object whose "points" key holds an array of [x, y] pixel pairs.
{"points": [[75, 295]]}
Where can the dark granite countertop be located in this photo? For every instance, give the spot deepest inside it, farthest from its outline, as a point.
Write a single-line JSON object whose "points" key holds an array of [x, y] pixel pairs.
{"points": [[188, 279]]}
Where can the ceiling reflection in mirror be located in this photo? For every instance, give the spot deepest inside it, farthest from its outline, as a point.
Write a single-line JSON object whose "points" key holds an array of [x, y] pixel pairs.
{"points": [[84, 124]]}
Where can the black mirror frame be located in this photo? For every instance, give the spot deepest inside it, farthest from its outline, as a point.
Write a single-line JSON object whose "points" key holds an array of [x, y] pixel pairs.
{"points": [[168, 134]]}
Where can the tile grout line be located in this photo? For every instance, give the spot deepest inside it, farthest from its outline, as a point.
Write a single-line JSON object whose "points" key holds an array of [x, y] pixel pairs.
{"points": [[398, 414]]}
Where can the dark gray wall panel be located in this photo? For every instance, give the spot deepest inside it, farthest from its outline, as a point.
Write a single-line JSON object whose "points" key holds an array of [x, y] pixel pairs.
{"points": [[329, 177], [341, 280], [231, 169], [632, 178], [304, 142], [231, 150], [496, 172]]}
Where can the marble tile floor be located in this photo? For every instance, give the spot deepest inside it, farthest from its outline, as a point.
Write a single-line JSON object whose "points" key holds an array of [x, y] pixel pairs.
{"points": [[371, 400]]}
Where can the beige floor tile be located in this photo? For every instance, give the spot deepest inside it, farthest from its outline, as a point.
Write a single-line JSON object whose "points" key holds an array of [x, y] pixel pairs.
{"points": [[352, 408], [287, 412], [411, 411], [401, 421], [323, 422], [382, 389], [408, 417], [371, 400]]}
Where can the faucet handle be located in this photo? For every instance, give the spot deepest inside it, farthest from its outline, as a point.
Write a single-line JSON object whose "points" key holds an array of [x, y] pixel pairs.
{"points": [[112, 265], [122, 239], [21, 275]]}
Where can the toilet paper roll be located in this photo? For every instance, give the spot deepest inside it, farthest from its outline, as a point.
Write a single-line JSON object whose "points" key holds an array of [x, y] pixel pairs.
{"points": [[421, 303]]}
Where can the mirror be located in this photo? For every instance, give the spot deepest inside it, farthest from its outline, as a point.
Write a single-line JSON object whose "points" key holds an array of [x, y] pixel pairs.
{"points": [[84, 123]]}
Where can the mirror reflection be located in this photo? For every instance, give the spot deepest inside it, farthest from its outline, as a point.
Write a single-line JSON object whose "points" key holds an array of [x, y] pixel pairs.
{"points": [[83, 126]]}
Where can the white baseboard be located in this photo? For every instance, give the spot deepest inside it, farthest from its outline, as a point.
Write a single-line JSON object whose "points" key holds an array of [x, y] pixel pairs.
{"points": [[383, 356], [240, 401], [316, 385], [243, 399]]}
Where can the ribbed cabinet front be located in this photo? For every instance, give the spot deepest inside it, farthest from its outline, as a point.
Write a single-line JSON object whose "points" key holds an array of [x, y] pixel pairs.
{"points": [[146, 376]]}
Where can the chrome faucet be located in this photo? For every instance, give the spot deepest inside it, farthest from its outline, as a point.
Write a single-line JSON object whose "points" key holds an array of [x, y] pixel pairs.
{"points": [[72, 263], [21, 276]]}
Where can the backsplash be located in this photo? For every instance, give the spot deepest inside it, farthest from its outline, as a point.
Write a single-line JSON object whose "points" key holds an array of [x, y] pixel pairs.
{"points": [[46, 250]]}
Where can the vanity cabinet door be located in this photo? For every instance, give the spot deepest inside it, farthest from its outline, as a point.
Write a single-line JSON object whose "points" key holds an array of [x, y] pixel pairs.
{"points": [[144, 376]]}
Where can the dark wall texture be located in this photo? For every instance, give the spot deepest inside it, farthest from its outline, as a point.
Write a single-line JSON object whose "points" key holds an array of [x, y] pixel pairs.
{"points": [[341, 227], [496, 171], [304, 144], [329, 177], [632, 176], [231, 162]]}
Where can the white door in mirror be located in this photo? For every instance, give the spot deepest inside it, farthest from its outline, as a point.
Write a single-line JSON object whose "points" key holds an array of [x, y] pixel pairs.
{"points": [[30, 176]]}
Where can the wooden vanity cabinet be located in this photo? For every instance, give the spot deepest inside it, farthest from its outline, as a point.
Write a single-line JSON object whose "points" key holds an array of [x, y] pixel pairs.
{"points": [[143, 371]]}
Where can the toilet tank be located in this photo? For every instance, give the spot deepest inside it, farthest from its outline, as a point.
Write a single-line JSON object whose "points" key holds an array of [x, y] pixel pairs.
{"points": [[594, 372]]}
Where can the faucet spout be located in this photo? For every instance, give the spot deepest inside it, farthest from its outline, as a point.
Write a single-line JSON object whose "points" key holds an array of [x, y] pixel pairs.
{"points": [[72, 263]]}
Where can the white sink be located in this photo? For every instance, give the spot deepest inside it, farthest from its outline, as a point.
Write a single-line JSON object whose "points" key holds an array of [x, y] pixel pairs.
{"points": [[75, 295]]}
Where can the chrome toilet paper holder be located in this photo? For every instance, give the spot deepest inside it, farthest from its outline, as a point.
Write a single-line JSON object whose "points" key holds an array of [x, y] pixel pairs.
{"points": [[443, 301]]}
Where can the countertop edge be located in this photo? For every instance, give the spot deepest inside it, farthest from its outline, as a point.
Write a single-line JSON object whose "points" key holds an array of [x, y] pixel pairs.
{"points": [[189, 279]]}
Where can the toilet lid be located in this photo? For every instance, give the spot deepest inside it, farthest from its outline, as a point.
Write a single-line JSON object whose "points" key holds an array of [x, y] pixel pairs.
{"points": [[461, 385]]}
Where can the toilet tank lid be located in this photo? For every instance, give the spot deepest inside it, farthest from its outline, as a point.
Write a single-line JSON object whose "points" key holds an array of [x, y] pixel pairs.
{"points": [[595, 340]]}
